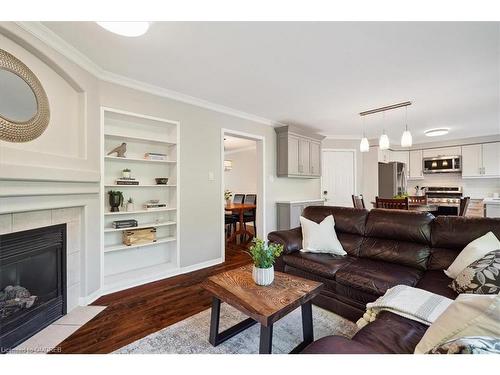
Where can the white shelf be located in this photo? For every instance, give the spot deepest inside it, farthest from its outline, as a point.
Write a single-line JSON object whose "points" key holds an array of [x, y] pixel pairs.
{"points": [[141, 185], [140, 160], [142, 226], [139, 139], [139, 211], [108, 249]]}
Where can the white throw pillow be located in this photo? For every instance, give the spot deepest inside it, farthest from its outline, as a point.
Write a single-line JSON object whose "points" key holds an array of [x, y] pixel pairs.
{"points": [[468, 315], [475, 250], [320, 238]]}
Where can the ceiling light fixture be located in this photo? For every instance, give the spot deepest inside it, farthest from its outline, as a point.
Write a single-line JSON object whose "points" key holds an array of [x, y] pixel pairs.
{"points": [[384, 143], [364, 146], [130, 29], [436, 132], [406, 138]]}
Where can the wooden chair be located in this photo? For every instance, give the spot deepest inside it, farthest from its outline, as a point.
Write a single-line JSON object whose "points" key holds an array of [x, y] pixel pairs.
{"points": [[357, 201], [231, 219], [417, 199], [464, 203], [250, 216], [393, 204]]}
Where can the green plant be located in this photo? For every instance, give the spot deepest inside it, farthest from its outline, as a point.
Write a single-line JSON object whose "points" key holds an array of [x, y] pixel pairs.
{"points": [[401, 196], [130, 200], [263, 254], [126, 170], [227, 194]]}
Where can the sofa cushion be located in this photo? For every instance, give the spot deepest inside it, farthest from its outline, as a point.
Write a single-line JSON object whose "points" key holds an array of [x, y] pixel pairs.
{"points": [[436, 282], [375, 277], [347, 220], [406, 226], [324, 265], [391, 333], [337, 345], [405, 253], [455, 232]]}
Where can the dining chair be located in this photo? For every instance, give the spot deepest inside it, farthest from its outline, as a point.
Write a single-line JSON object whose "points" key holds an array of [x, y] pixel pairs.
{"points": [[464, 203], [357, 201], [393, 204], [417, 199], [250, 216], [238, 198], [230, 218]]}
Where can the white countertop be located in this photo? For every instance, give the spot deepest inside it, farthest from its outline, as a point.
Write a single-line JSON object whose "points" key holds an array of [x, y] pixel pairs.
{"points": [[491, 201], [301, 201]]}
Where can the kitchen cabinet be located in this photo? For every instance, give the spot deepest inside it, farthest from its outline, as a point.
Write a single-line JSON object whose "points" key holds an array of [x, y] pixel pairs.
{"points": [[481, 160], [444, 151], [289, 212], [298, 153], [400, 157], [415, 168], [384, 156]]}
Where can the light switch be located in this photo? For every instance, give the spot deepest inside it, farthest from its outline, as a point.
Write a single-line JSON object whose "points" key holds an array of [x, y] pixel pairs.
{"points": [[211, 176]]}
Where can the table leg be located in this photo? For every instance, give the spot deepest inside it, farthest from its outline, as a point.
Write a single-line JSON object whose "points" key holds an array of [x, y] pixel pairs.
{"points": [[307, 328], [266, 339], [217, 338], [241, 227]]}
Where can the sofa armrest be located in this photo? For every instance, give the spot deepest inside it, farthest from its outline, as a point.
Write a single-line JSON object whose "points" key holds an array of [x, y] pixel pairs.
{"points": [[290, 239]]}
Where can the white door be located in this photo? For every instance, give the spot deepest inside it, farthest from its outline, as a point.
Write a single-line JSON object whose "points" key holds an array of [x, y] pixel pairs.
{"points": [[338, 177]]}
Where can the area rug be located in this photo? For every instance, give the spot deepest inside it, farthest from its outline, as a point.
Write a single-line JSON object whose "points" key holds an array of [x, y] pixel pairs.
{"points": [[190, 336]]}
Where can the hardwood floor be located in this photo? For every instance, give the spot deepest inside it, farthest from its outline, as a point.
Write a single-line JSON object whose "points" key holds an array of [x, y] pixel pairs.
{"points": [[137, 312]]}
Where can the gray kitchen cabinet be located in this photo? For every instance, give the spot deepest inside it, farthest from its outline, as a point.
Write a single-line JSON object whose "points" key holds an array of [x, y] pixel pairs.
{"points": [[289, 212], [298, 153]]}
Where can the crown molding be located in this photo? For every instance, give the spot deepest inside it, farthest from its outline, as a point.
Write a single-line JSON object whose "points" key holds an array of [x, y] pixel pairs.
{"points": [[51, 39], [346, 137]]}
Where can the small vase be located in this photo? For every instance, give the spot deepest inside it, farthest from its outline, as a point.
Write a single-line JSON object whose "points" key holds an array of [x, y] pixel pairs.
{"points": [[130, 207], [125, 174], [263, 276], [228, 201]]}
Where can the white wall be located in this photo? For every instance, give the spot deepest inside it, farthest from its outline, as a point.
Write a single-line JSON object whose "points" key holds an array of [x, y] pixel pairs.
{"points": [[200, 153], [242, 178]]}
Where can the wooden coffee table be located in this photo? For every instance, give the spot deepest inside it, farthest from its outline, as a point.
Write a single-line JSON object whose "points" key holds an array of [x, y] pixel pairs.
{"points": [[263, 304]]}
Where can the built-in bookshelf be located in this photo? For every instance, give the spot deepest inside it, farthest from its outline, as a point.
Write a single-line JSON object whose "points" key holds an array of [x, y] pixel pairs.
{"points": [[126, 266]]}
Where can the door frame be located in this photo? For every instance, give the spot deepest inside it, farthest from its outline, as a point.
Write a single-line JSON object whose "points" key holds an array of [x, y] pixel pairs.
{"points": [[261, 186], [355, 166]]}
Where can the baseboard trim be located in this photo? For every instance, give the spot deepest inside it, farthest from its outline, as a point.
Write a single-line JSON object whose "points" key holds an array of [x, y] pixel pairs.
{"points": [[199, 266], [87, 300]]}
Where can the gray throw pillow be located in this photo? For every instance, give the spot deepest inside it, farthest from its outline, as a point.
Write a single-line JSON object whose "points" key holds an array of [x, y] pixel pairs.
{"points": [[481, 276]]}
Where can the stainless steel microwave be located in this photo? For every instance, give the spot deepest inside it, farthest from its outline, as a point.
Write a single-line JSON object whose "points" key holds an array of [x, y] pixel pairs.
{"points": [[442, 164]]}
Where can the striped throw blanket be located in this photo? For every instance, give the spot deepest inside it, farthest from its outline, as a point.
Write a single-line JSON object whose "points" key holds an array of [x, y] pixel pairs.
{"points": [[412, 303]]}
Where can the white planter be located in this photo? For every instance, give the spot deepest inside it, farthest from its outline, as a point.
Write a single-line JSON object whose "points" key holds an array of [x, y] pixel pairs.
{"points": [[130, 207], [263, 276]]}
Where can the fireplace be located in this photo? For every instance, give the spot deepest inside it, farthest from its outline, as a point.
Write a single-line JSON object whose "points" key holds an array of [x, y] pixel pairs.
{"points": [[32, 282]]}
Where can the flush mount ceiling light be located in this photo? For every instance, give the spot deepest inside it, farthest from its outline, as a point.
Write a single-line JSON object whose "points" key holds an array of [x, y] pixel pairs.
{"points": [[126, 28], [436, 132]]}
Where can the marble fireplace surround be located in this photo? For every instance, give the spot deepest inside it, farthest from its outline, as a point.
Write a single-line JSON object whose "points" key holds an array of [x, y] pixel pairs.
{"points": [[78, 212]]}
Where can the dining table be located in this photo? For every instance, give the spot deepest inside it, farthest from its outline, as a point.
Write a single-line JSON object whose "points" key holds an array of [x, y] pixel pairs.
{"points": [[240, 209], [421, 207]]}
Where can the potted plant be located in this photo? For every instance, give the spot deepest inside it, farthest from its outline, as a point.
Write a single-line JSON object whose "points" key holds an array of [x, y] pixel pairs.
{"points": [[227, 196], [126, 173], [263, 256], [130, 205], [115, 200]]}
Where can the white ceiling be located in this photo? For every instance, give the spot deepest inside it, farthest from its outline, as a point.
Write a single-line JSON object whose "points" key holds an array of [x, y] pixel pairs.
{"points": [[232, 144], [318, 74]]}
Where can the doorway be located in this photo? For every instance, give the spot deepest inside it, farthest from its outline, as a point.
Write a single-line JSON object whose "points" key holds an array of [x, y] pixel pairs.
{"points": [[242, 164], [338, 181]]}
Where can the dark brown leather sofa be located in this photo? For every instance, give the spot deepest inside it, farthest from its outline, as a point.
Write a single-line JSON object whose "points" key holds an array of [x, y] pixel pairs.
{"points": [[385, 248]]}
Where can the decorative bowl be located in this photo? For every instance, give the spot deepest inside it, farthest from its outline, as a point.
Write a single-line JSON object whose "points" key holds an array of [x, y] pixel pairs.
{"points": [[161, 180]]}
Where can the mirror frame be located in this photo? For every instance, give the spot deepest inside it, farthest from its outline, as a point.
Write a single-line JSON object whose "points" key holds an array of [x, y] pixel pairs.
{"points": [[13, 131]]}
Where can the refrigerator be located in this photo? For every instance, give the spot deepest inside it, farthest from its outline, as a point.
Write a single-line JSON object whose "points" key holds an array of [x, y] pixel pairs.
{"points": [[391, 179]]}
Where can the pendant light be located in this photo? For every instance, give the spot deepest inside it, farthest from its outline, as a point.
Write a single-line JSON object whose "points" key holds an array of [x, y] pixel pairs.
{"points": [[383, 142], [364, 146], [406, 139]]}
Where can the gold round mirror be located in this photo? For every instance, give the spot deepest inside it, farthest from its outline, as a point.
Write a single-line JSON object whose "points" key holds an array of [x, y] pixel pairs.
{"points": [[24, 106]]}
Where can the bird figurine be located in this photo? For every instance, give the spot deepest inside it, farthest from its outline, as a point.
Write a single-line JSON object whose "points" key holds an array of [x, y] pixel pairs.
{"points": [[120, 150]]}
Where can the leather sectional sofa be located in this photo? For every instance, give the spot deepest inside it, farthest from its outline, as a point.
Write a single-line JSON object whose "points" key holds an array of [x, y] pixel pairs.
{"points": [[385, 248]]}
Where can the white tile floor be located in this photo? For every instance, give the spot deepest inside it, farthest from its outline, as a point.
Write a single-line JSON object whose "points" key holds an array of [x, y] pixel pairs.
{"points": [[48, 338]]}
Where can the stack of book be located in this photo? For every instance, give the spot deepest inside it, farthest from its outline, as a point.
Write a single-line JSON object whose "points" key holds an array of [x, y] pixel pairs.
{"points": [[127, 181], [155, 156], [154, 206], [124, 223]]}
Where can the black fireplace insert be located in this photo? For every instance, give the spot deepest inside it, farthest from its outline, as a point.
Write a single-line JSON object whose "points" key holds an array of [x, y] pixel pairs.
{"points": [[32, 282]]}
